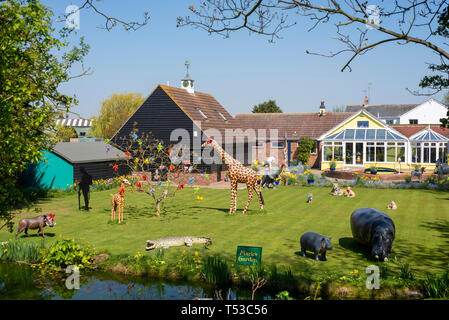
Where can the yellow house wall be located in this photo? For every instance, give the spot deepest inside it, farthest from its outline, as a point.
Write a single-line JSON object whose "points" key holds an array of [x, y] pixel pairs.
{"points": [[373, 124], [352, 124]]}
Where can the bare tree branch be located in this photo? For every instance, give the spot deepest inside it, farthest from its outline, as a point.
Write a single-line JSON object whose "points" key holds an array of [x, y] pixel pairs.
{"points": [[269, 18]]}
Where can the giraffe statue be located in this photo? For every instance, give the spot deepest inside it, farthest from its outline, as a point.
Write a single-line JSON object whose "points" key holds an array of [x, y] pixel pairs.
{"points": [[237, 173], [118, 201]]}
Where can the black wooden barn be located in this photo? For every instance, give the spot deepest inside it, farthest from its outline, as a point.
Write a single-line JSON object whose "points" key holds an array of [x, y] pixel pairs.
{"points": [[169, 108]]}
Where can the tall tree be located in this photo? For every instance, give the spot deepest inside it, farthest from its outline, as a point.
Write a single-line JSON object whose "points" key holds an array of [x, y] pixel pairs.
{"points": [[269, 106], [64, 133], [35, 59], [33, 63], [359, 26], [114, 112]]}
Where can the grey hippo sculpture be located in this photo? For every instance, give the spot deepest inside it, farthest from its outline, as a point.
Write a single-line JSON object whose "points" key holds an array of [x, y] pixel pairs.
{"points": [[375, 229]]}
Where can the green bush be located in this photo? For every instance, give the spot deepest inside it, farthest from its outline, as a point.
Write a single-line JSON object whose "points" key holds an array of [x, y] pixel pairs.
{"points": [[14, 251], [437, 286], [66, 252], [283, 295], [405, 272], [216, 271], [305, 146]]}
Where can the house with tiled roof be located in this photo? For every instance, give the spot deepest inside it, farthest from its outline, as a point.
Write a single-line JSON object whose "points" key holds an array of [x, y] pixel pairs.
{"points": [[181, 115], [428, 112], [352, 139], [364, 140], [282, 131]]}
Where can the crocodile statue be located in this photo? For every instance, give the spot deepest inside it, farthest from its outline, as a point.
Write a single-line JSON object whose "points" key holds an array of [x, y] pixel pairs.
{"points": [[176, 242]]}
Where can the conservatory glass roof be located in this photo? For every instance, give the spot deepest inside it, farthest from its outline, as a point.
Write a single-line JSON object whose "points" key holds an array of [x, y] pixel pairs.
{"points": [[429, 135], [364, 134]]}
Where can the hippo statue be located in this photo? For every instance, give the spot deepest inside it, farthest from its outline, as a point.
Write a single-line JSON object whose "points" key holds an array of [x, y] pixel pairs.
{"points": [[316, 243], [36, 222], [373, 228]]}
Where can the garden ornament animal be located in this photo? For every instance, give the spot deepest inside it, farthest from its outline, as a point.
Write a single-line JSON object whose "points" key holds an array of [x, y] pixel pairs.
{"points": [[118, 201], [336, 190], [309, 198], [237, 173], [392, 205], [269, 162], [441, 168], [270, 177], [373, 228], [34, 223], [176, 242], [317, 243], [349, 193], [417, 173]]}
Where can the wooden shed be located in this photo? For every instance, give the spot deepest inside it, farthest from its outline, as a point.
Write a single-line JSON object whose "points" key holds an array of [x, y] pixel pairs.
{"points": [[60, 168]]}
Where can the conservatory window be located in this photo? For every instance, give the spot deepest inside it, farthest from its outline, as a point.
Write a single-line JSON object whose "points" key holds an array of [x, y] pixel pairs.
{"points": [[391, 152], [349, 134], [433, 152], [426, 152], [328, 151], [370, 152], [442, 152], [333, 150], [338, 151], [380, 152], [401, 152]]}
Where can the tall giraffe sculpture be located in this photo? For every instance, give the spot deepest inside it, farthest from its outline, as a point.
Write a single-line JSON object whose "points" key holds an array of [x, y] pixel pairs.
{"points": [[237, 173], [118, 202]]}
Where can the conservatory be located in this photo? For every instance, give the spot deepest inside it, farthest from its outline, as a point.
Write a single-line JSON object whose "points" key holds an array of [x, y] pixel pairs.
{"points": [[357, 147], [362, 140], [428, 146]]}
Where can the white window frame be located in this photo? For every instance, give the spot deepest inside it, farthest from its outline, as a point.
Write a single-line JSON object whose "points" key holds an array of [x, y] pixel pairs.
{"points": [[282, 146]]}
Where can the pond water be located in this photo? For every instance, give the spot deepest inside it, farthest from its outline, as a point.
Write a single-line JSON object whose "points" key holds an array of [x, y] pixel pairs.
{"points": [[25, 283]]}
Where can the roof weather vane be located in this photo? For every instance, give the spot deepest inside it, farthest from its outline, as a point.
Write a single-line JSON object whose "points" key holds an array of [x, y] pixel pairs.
{"points": [[187, 64]]}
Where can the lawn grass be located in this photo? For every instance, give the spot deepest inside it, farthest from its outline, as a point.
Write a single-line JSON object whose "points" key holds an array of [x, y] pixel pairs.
{"points": [[422, 226]]}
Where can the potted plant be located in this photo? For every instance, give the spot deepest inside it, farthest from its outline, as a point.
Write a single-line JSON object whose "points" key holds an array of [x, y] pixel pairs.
{"points": [[373, 169], [332, 165], [310, 178]]}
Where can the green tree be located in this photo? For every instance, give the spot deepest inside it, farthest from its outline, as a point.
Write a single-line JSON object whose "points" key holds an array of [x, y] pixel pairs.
{"points": [[305, 146], [269, 106], [64, 133], [114, 112], [34, 61]]}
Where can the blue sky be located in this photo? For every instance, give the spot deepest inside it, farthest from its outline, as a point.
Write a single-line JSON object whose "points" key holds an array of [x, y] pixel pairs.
{"points": [[241, 71]]}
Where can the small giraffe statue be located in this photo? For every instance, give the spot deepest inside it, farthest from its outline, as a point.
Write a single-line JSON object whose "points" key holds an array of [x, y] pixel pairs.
{"points": [[118, 201], [237, 173]]}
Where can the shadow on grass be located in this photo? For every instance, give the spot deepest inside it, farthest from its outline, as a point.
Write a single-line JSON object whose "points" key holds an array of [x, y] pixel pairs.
{"points": [[440, 225], [225, 210], [309, 255], [238, 212], [35, 235], [354, 246]]}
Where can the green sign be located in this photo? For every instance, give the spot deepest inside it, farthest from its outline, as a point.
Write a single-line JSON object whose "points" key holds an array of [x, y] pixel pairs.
{"points": [[248, 256]]}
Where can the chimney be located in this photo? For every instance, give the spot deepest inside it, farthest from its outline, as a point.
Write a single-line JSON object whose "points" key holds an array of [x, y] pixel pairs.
{"points": [[322, 109], [365, 103]]}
